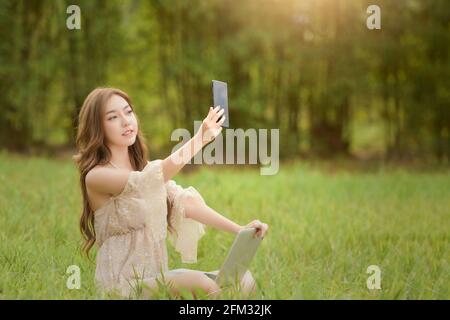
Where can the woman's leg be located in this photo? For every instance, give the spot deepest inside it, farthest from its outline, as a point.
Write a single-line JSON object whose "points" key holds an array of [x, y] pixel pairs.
{"points": [[247, 284], [182, 280]]}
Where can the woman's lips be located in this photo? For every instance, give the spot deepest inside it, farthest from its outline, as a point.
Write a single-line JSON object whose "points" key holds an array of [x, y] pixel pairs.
{"points": [[128, 133]]}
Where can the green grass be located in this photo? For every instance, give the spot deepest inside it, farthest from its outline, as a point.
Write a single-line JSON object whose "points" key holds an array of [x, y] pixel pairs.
{"points": [[325, 230]]}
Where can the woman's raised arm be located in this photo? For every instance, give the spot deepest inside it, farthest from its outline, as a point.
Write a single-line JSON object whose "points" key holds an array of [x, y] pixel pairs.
{"points": [[208, 131]]}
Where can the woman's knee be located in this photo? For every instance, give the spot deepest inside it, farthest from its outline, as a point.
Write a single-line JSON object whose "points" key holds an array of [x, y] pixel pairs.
{"points": [[209, 285], [248, 283], [194, 281]]}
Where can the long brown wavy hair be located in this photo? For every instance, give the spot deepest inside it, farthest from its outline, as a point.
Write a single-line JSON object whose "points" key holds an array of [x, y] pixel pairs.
{"points": [[93, 151]]}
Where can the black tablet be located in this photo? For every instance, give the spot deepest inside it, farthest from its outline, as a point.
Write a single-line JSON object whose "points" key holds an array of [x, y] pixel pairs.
{"points": [[220, 98]]}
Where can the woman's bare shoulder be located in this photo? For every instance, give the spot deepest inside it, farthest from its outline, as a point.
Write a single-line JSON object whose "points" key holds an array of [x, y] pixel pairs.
{"points": [[106, 180], [97, 173]]}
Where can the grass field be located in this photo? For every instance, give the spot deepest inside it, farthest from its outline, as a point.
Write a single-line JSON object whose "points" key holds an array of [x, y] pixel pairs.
{"points": [[325, 230]]}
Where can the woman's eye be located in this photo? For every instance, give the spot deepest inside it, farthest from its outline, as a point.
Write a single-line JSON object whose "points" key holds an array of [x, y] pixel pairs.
{"points": [[113, 117]]}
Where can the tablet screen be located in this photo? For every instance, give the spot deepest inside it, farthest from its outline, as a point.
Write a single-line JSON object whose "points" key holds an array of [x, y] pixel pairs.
{"points": [[220, 98]]}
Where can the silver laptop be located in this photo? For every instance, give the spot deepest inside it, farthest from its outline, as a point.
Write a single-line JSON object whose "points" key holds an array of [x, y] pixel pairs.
{"points": [[238, 259]]}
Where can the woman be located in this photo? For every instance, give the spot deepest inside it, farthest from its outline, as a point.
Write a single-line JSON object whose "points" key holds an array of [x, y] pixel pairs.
{"points": [[129, 203]]}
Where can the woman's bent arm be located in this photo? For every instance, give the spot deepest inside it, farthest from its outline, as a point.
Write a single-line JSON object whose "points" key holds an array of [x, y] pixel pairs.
{"points": [[202, 213]]}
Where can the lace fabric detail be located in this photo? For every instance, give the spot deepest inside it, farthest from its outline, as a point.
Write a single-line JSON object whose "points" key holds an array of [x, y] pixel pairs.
{"points": [[131, 229], [187, 231]]}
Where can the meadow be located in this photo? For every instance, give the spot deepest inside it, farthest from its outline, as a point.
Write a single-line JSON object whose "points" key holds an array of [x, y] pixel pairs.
{"points": [[326, 228]]}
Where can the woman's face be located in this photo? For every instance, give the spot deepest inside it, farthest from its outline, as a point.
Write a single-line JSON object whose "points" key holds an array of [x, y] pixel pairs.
{"points": [[119, 122]]}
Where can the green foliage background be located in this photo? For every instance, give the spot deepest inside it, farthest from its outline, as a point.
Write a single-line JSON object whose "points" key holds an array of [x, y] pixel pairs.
{"points": [[308, 67]]}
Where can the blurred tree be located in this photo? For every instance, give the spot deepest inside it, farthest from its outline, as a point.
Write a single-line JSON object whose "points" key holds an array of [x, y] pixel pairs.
{"points": [[310, 68]]}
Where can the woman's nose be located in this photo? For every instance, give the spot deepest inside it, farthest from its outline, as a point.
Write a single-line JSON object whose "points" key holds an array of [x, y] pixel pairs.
{"points": [[125, 121]]}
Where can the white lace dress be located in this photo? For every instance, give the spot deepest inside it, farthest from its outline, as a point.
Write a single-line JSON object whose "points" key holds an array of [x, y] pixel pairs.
{"points": [[131, 230]]}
